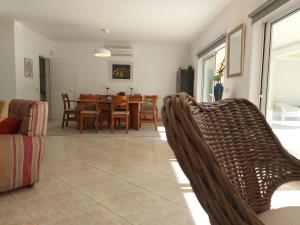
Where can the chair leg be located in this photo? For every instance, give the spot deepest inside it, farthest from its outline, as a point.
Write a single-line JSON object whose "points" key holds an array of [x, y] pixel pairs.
{"points": [[67, 122], [101, 122], [155, 122], [63, 121], [81, 124], [140, 121], [97, 124], [127, 124], [112, 125]]}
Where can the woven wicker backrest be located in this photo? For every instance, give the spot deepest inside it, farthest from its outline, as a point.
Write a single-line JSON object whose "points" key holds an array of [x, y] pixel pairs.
{"points": [[230, 155]]}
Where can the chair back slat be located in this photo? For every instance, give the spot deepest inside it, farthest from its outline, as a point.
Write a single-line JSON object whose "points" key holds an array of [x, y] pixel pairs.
{"points": [[150, 103], [66, 101], [120, 103], [136, 98], [89, 102]]}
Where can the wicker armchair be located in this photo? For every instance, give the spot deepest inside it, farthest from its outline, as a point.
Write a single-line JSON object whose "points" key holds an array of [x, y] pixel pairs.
{"points": [[230, 155], [21, 154]]}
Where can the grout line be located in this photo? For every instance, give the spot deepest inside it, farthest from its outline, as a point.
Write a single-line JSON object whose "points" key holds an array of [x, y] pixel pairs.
{"points": [[24, 208], [93, 200], [147, 190]]}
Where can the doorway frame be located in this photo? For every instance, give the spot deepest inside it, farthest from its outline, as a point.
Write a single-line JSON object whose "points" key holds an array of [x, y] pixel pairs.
{"points": [[48, 83], [266, 53], [201, 62]]}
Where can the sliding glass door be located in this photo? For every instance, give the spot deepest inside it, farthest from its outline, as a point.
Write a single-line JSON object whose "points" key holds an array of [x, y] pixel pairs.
{"points": [[208, 73], [210, 64], [281, 80]]}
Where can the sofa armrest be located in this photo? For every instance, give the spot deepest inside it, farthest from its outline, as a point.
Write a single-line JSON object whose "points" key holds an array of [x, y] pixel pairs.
{"points": [[3, 109], [20, 160]]}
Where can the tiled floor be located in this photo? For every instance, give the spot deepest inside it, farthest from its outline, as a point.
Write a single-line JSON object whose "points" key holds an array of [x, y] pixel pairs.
{"points": [[105, 180], [108, 180]]}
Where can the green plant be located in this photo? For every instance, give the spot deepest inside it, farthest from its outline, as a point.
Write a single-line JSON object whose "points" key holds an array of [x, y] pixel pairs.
{"points": [[220, 72]]}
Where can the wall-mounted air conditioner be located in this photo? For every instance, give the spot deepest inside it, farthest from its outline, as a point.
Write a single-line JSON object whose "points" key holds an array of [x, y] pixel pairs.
{"points": [[121, 51]]}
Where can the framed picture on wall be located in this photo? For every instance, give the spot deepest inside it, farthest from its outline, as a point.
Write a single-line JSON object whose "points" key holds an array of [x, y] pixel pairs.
{"points": [[122, 71], [28, 67]]}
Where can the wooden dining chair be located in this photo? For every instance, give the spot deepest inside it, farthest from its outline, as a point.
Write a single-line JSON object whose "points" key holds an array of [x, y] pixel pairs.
{"points": [[89, 109], [136, 98], [148, 112], [120, 111], [104, 104], [69, 114]]}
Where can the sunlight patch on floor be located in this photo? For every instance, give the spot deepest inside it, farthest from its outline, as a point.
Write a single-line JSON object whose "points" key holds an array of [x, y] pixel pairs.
{"points": [[180, 176], [162, 133], [197, 212]]}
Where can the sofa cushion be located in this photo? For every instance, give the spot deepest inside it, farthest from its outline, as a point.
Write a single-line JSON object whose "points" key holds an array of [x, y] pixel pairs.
{"points": [[10, 125], [281, 216]]}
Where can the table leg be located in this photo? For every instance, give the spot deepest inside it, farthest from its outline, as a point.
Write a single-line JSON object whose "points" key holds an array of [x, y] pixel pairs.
{"points": [[134, 110]]}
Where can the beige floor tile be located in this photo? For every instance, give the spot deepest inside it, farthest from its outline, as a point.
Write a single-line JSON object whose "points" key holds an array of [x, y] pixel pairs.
{"points": [[6, 200], [129, 171], [168, 188], [77, 174], [15, 215], [50, 208], [108, 179], [103, 187], [177, 216], [138, 205], [96, 215], [47, 186]]}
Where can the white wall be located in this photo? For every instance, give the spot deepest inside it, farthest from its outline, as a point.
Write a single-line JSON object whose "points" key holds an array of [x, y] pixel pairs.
{"points": [[29, 44], [233, 15], [154, 68], [7, 60]]}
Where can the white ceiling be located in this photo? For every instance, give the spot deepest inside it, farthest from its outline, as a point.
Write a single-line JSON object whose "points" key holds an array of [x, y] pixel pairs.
{"points": [[173, 21]]}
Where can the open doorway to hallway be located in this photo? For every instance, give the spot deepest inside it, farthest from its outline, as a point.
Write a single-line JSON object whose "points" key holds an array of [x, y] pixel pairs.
{"points": [[45, 90], [282, 89]]}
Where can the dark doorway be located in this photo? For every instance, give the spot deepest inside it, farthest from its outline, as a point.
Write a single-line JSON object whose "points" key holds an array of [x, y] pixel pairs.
{"points": [[44, 64]]}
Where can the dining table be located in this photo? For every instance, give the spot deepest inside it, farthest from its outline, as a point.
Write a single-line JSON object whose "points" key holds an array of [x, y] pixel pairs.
{"points": [[134, 111]]}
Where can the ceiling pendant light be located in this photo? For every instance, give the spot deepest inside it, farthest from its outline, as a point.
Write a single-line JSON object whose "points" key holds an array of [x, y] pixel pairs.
{"points": [[102, 52]]}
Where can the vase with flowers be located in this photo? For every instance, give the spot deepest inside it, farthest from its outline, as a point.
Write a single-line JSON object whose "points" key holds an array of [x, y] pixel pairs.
{"points": [[218, 87]]}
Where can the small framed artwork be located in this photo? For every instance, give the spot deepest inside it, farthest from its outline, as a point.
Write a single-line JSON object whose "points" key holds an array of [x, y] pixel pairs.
{"points": [[121, 71], [28, 67]]}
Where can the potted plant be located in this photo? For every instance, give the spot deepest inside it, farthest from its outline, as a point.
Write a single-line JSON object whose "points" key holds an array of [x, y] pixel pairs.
{"points": [[218, 88]]}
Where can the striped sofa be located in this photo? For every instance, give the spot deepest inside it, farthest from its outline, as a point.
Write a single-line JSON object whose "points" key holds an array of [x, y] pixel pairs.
{"points": [[3, 109], [21, 154]]}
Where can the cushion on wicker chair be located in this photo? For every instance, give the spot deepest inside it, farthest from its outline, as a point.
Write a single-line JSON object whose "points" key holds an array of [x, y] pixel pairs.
{"points": [[281, 216]]}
